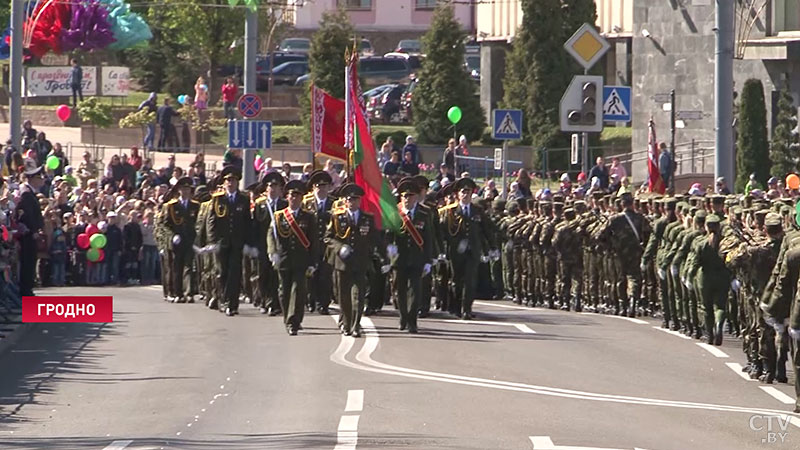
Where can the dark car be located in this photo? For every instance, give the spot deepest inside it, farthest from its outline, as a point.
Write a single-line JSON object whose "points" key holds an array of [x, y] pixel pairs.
{"points": [[385, 107], [379, 70], [406, 114], [288, 72], [278, 58]]}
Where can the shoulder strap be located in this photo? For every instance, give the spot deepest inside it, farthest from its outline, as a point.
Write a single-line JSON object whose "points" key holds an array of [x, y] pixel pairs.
{"points": [[633, 228]]}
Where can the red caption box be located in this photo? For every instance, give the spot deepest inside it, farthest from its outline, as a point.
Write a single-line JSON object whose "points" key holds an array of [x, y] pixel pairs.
{"points": [[67, 309]]}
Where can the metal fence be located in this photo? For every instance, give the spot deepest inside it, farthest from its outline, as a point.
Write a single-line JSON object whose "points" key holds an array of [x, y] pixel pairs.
{"points": [[483, 167]]}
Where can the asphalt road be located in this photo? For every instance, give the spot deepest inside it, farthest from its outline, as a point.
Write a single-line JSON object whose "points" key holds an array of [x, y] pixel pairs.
{"points": [[178, 376]]}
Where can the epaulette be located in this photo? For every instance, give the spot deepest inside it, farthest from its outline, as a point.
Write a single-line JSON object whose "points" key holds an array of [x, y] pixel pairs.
{"points": [[174, 200], [217, 194], [447, 207], [194, 201], [261, 199]]}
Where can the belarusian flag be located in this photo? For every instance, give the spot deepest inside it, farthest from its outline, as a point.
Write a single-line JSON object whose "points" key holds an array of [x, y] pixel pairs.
{"points": [[378, 198]]}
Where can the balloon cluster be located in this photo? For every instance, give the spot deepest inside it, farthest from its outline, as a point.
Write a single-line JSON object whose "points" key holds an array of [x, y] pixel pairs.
{"points": [[94, 241], [62, 26]]}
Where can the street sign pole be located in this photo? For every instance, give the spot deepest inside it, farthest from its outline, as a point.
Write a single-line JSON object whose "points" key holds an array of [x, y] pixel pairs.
{"points": [[672, 113], [250, 49], [505, 169], [16, 71]]}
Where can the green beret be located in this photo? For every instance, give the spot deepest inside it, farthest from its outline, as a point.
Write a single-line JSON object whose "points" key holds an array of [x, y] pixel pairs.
{"points": [[737, 210]]}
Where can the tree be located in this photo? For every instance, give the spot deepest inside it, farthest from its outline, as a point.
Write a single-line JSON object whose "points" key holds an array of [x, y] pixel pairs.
{"points": [[752, 147], [138, 119], [443, 83], [190, 38], [538, 70], [785, 151], [96, 113]]}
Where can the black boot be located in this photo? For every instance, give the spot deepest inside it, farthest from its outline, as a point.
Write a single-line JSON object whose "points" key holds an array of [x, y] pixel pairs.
{"points": [[780, 370], [756, 370], [718, 333]]}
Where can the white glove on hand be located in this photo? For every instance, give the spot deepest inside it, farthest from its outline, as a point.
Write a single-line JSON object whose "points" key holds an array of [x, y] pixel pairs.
{"points": [[509, 246], [687, 283], [770, 321], [176, 240], [250, 251], [386, 268], [462, 246], [642, 267], [494, 255], [484, 258], [274, 258], [662, 274], [442, 257], [736, 285], [197, 250], [345, 251], [795, 333], [162, 252], [674, 270], [763, 307], [779, 328], [426, 269], [391, 251]]}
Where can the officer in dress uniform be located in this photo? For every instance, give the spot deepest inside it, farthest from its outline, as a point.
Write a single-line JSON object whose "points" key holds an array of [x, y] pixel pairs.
{"points": [[318, 202], [179, 218], [293, 250], [29, 216], [411, 250], [351, 238], [230, 232], [428, 203], [265, 209], [468, 234]]}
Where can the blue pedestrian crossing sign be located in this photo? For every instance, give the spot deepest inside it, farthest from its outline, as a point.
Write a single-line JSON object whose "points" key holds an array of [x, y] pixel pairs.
{"points": [[250, 134], [507, 124], [617, 103]]}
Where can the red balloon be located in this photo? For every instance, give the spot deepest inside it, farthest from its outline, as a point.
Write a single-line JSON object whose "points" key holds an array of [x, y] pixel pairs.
{"points": [[63, 112], [91, 230], [83, 240], [101, 254], [5, 232]]}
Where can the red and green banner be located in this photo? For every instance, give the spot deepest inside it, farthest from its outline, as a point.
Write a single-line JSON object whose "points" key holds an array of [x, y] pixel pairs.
{"points": [[378, 198]]}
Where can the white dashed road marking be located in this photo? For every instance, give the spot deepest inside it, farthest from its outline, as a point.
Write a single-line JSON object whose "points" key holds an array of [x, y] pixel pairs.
{"points": [[355, 400], [713, 350], [778, 395], [737, 368], [519, 326], [674, 333]]}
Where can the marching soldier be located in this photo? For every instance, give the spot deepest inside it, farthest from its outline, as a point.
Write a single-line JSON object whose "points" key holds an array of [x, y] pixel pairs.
{"points": [[411, 250], [469, 237], [230, 232], [351, 239], [179, 218], [318, 203], [655, 251], [265, 209], [293, 251], [428, 204]]}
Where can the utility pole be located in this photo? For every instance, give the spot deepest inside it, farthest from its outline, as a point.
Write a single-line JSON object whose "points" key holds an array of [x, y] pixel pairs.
{"points": [[723, 86], [672, 113], [15, 99], [250, 46]]}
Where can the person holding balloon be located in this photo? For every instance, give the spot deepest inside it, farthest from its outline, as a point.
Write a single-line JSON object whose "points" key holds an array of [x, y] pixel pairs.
{"points": [[200, 94]]}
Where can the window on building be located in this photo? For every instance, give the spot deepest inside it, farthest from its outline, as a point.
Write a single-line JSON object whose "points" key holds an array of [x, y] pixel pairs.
{"points": [[425, 4], [356, 4]]}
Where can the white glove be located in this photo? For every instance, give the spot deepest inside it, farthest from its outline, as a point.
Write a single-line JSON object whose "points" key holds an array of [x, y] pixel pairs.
{"points": [[426, 269], [345, 251], [197, 250], [250, 251], [763, 307], [795, 333], [770, 321], [484, 258], [735, 285], [274, 258], [162, 252], [494, 255], [391, 251], [674, 270], [386, 268], [509, 246], [642, 267], [176, 240], [462, 246], [662, 274], [212, 248], [779, 328], [310, 271], [442, 257], [687, 283]]}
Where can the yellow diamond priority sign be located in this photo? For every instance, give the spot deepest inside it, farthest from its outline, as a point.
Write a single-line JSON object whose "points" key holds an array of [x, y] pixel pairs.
{"points": [[587, 46]]}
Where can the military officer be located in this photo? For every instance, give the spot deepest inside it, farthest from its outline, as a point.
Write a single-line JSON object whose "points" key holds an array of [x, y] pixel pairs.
{"points": [[293, 251], [230, 233], [351, 238], [29, 216], [180, 218], [317, 202], [265, 208], [468, 233], [411, 250], [428, 203]]}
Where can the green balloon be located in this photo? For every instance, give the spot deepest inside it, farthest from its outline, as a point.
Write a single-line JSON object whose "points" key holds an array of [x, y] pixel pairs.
{"points": [[53, 162], [233, 2], [454, 114], [98, 241], [93, 254]]}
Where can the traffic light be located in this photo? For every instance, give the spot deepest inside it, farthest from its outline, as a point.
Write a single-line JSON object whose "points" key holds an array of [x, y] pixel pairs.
{"points": [[581, 107]]}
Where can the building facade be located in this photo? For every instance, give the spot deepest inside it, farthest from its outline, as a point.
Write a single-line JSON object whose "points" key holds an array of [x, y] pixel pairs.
{"points": [[384, 22]]}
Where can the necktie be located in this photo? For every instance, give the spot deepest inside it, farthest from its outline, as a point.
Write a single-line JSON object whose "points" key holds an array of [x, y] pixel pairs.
{"points": [[322, 205], [231, 198]]}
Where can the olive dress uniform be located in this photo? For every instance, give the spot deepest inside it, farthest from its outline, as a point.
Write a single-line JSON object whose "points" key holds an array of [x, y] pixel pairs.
{"points": [[293, 251], [264, 213], [29, 213], [180, 218], [321, 284]]}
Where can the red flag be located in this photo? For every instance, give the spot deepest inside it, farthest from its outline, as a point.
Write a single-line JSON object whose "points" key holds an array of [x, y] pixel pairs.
{"points": [[327, 124], [656, 184], [378, 198]]}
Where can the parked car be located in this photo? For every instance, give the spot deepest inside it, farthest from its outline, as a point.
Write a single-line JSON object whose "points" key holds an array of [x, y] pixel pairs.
{"points": [[406, 112], [295, 45], [472, 63], [409, 46], [278, 58], [365, 48], [386, 106], [302, 80], [377, 91], [414, 61], [288, 72], [378, 70]]}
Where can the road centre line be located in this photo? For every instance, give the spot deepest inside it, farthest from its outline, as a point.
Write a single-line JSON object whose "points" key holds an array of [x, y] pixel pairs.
{"points": [[118, 445], [519, 326]]}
